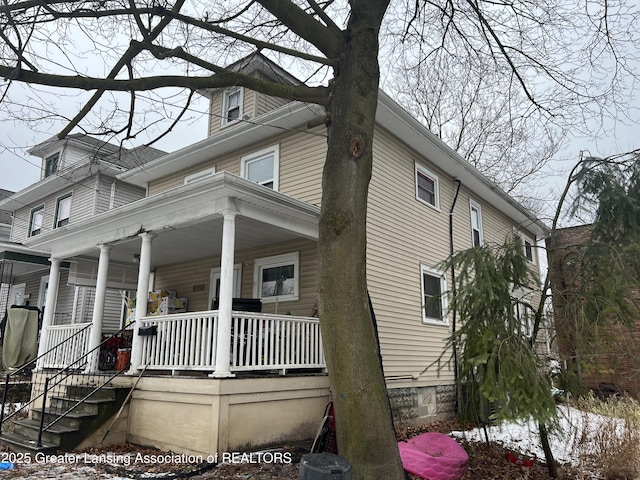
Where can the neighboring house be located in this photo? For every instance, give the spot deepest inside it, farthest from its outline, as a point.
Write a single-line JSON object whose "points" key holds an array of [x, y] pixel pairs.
{"points": [[77, 182], [614, 359], [235, 217]]}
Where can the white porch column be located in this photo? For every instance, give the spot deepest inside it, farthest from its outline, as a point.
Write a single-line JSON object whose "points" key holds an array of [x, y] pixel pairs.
{"points": [[144, 270], [50, 304], [223, 341], [98, 307]]}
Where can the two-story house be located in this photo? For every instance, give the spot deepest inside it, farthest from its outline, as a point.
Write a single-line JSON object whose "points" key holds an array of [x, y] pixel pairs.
{"points": [[78, 181], [233, 219]]}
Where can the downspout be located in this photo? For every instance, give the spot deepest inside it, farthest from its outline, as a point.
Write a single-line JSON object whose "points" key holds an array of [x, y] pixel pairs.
{"points": [[454, 291]]}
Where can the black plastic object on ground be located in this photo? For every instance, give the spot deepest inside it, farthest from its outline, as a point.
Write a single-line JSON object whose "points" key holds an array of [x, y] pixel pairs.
{"points": [[324, 466]]}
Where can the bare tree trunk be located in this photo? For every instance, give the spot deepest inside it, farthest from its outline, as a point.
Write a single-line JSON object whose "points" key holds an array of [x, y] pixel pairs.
{"points": [[365, 431], [548, 454]]}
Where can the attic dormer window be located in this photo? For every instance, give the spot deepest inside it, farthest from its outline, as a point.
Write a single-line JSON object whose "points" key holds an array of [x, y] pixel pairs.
{"points": [[231, 105], [51, 164]]}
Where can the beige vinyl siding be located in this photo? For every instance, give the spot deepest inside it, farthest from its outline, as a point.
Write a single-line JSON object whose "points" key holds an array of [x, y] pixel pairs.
{"points": [[227, 163], [404, 233], [266, 103], [215, 112], [302, 157], [186, 277], [215, 108]]}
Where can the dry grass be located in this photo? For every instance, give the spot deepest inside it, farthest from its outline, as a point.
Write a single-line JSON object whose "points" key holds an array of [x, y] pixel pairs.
{"points": [[611, 445]]}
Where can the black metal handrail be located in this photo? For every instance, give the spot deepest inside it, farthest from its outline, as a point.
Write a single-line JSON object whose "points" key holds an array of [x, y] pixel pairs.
{"points": [[71, 369], [24, 368], [55, 380]]}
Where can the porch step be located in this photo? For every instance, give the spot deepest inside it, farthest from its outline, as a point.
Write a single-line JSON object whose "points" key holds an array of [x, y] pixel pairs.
{"points": [[72, 428]]}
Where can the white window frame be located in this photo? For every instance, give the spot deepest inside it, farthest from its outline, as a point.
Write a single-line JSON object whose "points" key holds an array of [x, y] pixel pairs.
{"points": [[261, 264], [225, 105], [523, 238], [200, 175], [274, 151], [473, 205], [444, 320], [420, 170], [59, 200], [31, 218]]}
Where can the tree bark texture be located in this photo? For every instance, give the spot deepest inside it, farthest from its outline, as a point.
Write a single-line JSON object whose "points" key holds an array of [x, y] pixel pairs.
{"points": [[365, 431]]}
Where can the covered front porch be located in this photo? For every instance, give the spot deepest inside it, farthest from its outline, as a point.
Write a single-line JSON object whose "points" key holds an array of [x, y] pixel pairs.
{"points": [[220, 240]]}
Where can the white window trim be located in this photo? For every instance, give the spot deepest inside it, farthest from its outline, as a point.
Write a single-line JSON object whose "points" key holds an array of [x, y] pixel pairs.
{"points": [[534, 250], [57, 214], [225, 105], [271, 262], [200, 175], [275, 151], [475, 205], [444, 321], [436, 185], [31, 215]]}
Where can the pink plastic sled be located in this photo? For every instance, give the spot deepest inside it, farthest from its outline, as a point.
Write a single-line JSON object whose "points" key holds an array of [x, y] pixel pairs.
{"points": [[434, 456]]}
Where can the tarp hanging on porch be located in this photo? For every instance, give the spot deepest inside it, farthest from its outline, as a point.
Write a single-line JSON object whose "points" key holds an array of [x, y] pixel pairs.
{"points": [[20, 340]]}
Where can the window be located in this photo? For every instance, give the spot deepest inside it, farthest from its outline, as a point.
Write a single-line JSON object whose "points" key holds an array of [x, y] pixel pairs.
{"points": [[231, 105], [276, 278], [477, 237], [262, 167], [528, 246], [63, 211], [434, 302], [201, 175], [51, 164], [35, 222], [427, 185], [524, 314]]}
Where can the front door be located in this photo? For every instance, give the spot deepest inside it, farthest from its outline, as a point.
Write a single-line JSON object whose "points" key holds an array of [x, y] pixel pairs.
{"points": [[214, 284]]}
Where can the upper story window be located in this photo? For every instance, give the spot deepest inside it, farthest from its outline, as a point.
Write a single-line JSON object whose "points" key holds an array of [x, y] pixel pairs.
{"points": [[262, 167], [36, 220], [434, 301], [231, 105], [201, 175], [63, 211], [477, 236], [51, 164], [427, 187], [276, 278], [528, 246]]}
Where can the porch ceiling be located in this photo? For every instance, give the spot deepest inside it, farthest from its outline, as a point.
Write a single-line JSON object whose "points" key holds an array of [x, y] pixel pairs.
{"points": [[187, 222], [204, 239]]}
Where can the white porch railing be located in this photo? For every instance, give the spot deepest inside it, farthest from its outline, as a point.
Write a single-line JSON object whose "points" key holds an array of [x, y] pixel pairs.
{"points": [[65, 344], [259, 341]]}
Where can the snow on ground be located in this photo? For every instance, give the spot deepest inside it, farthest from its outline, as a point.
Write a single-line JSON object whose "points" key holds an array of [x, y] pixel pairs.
{"points": [[567, 442]]}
